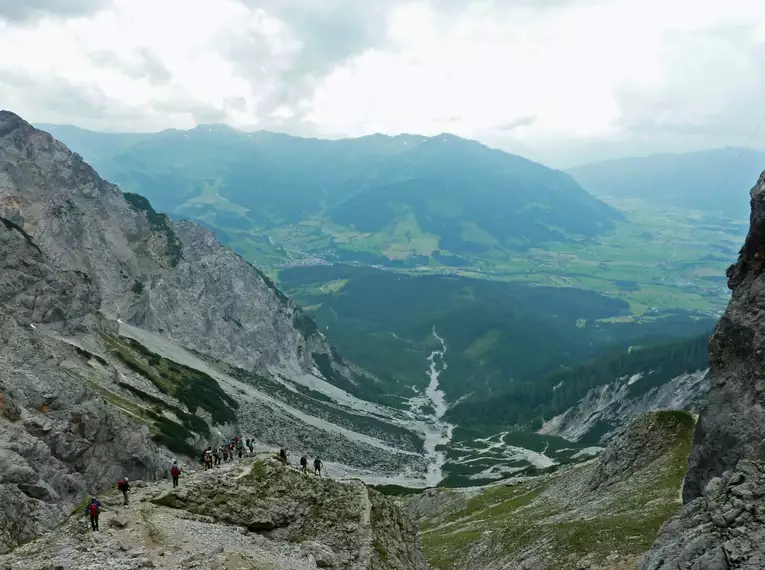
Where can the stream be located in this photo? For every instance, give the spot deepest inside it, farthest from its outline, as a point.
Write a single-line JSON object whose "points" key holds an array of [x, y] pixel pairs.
{"points": [[439, 432]]}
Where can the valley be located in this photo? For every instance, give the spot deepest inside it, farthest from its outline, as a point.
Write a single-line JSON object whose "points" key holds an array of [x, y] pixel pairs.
{"points": [[374, 239]]}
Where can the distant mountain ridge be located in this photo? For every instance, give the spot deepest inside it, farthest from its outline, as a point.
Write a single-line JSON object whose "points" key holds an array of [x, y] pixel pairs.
{"points": [[704, 180], [390, 198]]}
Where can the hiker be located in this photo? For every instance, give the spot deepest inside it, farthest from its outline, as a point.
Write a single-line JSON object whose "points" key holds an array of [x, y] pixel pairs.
{"points": [[251, 445], [124, 486], [317, 465], [304, 464], [93, 509], [216, 457], [239, 447], [208, 459], [283, 455], [175, 473]]}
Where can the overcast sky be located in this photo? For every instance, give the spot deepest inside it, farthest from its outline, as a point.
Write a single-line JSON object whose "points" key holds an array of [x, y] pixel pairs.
{"points": [[562, 81]]}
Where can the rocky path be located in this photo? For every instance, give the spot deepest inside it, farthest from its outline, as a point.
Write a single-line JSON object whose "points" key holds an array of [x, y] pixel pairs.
{"points": [[146, 535], [366, 538]]}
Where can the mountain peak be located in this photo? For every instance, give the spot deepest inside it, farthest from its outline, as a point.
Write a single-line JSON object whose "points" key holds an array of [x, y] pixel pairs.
{"points": [[10, 122]]}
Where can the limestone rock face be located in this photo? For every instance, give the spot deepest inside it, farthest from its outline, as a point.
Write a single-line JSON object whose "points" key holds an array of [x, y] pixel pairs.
{"points": [[732, 425], [721, 530], [175, 279], [722, 525]]}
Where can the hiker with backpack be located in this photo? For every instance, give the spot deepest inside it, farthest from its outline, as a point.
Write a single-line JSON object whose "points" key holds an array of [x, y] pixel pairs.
{"points": [[239, 447], [124, 486], [216, 457], [304, 464], [93, 509], [283, 455], [208, 459], [175, 473], [317, 465], [251, 445]]}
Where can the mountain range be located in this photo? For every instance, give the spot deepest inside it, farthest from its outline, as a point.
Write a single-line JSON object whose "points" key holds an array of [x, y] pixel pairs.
{"points": [[404, 198], [710, 180]]}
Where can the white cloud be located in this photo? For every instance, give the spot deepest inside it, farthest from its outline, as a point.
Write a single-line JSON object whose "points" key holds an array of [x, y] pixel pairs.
{"points": [[552, 78]]}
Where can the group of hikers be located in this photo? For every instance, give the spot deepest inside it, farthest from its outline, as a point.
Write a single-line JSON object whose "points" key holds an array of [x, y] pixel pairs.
{"points": [[212, 457], [94, 506], [317, 464]]}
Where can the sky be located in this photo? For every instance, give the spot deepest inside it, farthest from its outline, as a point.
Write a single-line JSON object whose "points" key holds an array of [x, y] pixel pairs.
{"points": [[560, 81]]}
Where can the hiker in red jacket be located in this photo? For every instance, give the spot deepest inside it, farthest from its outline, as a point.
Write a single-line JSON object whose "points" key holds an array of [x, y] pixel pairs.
{"points": [[124, 486], [93, 509], [175, 473]]}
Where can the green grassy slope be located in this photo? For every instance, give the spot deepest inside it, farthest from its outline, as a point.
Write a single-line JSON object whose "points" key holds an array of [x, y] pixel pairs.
{"points": [[610, 509]]}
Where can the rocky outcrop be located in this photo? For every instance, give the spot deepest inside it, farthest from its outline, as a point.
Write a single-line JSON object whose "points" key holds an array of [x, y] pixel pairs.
{"points": [[721, 530], [58, 439], [732, 425], [345, 524], [644, 441], [722, 526]]}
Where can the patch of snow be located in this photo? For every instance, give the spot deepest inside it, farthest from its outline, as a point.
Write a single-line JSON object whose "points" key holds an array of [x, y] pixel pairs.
{"points": [[587, 452], [634, 378]]}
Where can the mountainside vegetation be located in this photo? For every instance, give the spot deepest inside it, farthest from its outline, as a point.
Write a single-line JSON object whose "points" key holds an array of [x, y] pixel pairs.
{"points": [[527, 404], [498, 335]]}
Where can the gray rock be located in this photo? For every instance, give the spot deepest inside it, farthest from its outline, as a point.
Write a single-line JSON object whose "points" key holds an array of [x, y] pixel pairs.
{"points": [[726, 476], [732, 424]]}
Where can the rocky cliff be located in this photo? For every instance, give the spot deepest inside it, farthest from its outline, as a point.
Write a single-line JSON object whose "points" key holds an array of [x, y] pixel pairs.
{"points": [[125, 338], [722, 525], [250, 514]]}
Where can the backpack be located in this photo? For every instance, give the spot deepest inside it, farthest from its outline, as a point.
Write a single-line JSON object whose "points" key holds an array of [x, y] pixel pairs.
{"points": [[120, 484], [303, 461], [175, 471], [93, 509]]}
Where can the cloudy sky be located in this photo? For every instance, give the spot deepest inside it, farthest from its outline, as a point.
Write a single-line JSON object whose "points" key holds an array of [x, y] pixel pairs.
{"points": [[563, 81]]}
